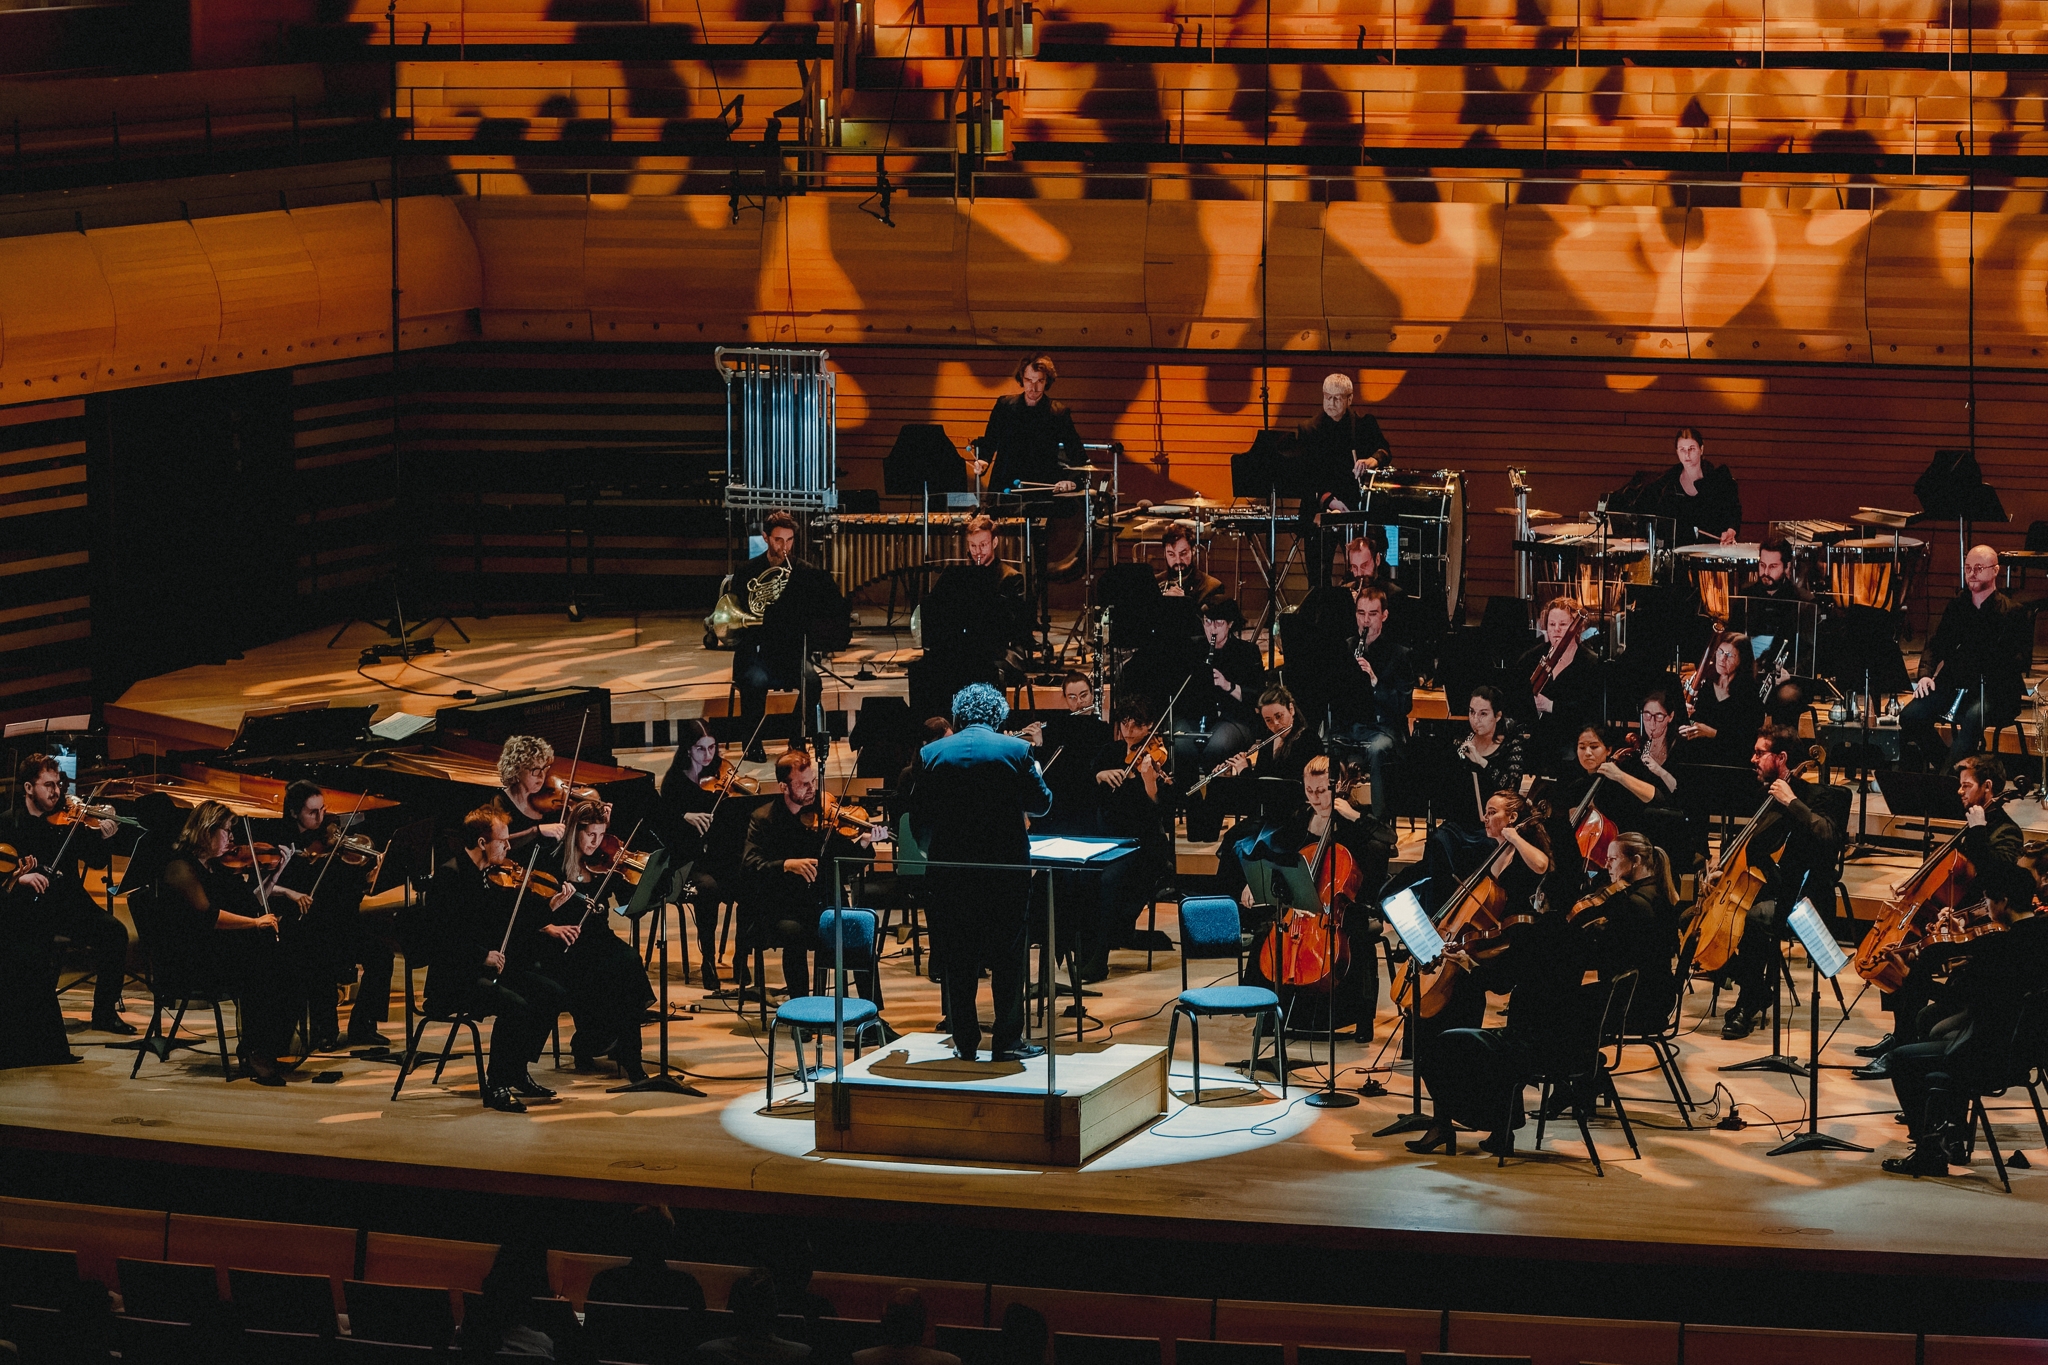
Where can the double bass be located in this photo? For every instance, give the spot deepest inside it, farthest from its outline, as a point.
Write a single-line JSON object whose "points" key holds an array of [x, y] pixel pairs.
{"points": [[1472, 921], [1732, 885], [1306, 947], [1945, 881]]}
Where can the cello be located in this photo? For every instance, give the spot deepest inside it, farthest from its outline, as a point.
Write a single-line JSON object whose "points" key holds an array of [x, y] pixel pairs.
{"points": [[1591, 829], [1945, 881], [1472, 921], [1732, 885], [1305, 947]]}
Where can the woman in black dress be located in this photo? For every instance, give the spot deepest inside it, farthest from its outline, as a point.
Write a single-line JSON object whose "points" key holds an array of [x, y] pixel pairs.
{"points": [[606, 981], [1700, 497], [218, 932], [683, 818], [1572, 694], [1728, 711]]}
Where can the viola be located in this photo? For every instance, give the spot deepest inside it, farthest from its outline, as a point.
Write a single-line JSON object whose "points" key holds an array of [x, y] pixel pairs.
{"points": [[1591, 909], [353, 849], [77, 812], [1732, 885]]}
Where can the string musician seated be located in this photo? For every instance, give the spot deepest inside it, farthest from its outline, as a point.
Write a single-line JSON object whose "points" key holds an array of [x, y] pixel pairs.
{"points": [[1182, 575], [1634, 921], [1064, 747], [319, 893], [1796, 849], [1476, 1076], [1366, 847], [1134, 795], [790, 859], [1990, 835], [974, 616], [46, 896], [220, 935], [1969, 1048], [523, 764], [802, 613], [701, 816], [1518, 863], [1608, 792], [1290, 746], [1727, 709], [605, 979], [479, 962], [1489, 759]]}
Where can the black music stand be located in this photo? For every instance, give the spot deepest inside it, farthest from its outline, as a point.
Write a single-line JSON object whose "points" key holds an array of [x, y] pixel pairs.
{"points": [[923, 461], [1413, 926], [1925, 797], [1953, 489], [1270, 470], [1828, 959]]}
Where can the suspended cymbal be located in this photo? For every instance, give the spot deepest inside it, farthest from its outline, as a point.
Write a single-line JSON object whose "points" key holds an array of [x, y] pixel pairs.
{"points": [[1206, 504], [1535, 514]]}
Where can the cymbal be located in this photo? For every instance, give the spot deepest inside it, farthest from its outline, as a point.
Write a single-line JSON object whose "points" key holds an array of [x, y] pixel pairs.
{"points": [[1535, 513], [1205, 504]]}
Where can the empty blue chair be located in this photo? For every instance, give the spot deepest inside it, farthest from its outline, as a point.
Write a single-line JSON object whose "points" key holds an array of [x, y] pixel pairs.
{"points": [[813, 1014], [1209, 928]]}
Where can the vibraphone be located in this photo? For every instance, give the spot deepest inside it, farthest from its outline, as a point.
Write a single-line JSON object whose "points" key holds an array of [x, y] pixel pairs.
{"points": [[868, 547]]}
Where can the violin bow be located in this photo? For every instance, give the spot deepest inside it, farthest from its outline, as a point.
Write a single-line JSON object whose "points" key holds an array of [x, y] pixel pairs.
{"points": [[725, 787], [339, 835], [519, 899], [1153, 733], [596, 898], [569, 787], [52, 871]]}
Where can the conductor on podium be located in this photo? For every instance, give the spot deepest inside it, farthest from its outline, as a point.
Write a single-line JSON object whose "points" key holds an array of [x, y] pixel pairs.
{"points": [[977, 789]]}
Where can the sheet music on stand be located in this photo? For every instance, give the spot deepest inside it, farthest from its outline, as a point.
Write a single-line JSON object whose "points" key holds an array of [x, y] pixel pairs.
{"points": [[1418, 935], [1813, 935]]}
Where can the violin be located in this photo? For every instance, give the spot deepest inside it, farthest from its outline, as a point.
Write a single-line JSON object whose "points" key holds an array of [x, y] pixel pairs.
{"points": [[1942, 882], [844, 817], [724, 776], [508, 876], [555, 796], [353, 849], [267, 860], [1732, 885], [77, 812], [1545, 670], [613, 858], [1952, 927], [1591, 909]]}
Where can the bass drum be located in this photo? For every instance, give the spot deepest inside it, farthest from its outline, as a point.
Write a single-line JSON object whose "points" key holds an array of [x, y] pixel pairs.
{"points": [[1429, 510]]}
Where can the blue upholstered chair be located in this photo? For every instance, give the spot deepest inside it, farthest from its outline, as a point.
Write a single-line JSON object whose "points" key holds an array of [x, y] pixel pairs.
{"points": [[813, 1014], [1209, 929]]}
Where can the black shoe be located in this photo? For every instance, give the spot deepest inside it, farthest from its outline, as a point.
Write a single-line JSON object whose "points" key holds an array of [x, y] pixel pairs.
{"points": [[370, 1038], [503, 1100], [525, 1085], [711, 982], [631, 1070], [1879, 1070], [1921, 1161], [263, 1071], [1498, 1144], [111, 1023], [1876, 1049], [1954, 1144], [330, 1042], [1018, 1053], [1438, 1135], [967, 1054], [585, 1065], [1736, 1024]]}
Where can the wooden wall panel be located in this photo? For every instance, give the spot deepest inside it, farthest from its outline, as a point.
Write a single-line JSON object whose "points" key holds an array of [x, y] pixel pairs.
{"points": [[56, 317], [1581, 280], [1413, 277], [849, 278], [45, 566], [2012, 290], [661, 269], [166, 303], [1053, 273], [1918, 287], [535, 277], [269, 287], [1776, 284]]}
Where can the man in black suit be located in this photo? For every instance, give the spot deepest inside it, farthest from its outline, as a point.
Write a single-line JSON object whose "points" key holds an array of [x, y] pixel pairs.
{"points": [[1030, 438], [804, 613], [1974, 663], [1797, 849], [1339, 448], [467, 970], [1065, 746], [971, 804], [972, 619]]}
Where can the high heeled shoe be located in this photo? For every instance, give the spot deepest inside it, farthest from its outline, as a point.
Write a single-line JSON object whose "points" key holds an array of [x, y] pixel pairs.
{"points": [[1438, 1136]]}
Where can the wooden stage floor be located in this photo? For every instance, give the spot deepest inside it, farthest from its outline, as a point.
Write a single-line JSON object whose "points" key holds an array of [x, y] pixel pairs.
{"points": [[1252, 1172], [1249, 1172]]}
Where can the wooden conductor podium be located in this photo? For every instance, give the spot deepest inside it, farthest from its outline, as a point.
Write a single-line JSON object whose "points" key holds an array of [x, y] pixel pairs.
{"points": [[916, 1098]]}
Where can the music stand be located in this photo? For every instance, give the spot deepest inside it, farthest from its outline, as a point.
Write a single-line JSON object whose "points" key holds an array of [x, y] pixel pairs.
{"points": [[1417, 932], [1828, 959], [1953, 489], [1926, 797], [1270, 470]]}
